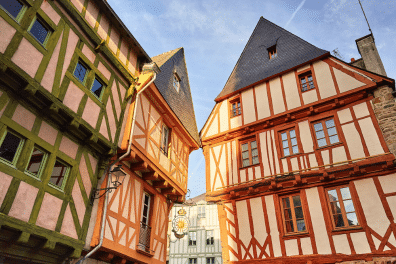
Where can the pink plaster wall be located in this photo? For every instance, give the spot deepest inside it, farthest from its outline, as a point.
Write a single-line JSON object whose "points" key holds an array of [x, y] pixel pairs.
{"points": [[79, 4], [73, 97], [103, 27], [27, 57], [49, 75], [85, 176], [78, 202], [116, 98], [91, 112], [88, 53], [104, 71], [110, 116], [123, 52], [68, 227], [94, 162], [24, 117], [92, 13], [48, 133], [68, 147], [2, 110], [132, 62], [71, 46], [23, 202], [6, 33], [50, 12], [114, 39], [103, 129], [5, 183], [49, 212]]}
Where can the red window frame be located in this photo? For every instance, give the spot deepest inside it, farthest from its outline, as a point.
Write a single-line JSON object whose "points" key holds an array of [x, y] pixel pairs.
{"points": [[290, 142], [254, 159], [293, 211], [165, 139], [340, 208], [272, 52], [307, 81], [330, 132], [235, 107]]}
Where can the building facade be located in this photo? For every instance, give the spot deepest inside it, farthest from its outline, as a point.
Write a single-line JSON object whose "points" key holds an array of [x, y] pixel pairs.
{"points": [[300, 154], [68, 80], [201, 245]]}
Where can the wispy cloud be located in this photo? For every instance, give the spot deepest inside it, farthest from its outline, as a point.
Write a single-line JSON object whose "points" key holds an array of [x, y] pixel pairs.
{"points": [[295, 12]]}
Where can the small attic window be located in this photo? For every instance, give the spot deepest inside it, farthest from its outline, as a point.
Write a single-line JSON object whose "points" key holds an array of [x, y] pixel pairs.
{"points": [[176, 81], [272, 52]]}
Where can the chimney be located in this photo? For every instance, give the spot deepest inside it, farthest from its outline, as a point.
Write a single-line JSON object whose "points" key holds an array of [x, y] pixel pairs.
{"points": [[370, 55]]}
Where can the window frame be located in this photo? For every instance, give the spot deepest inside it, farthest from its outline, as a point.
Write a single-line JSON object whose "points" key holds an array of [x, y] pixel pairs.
{"points": [[235, 101], [210, 258], [42, 164], [289, 138], [325, 131], [201, 212], [249, 141], [96, 77], [164, 148], [176, 80], [68, 169], [45, 25], [80, 60], [21, 12], [209, 240], [342, 207], [294, 219], [304, 74], [148, 209], [195, 260], [272, 52], [18, 150], [189, 239]]}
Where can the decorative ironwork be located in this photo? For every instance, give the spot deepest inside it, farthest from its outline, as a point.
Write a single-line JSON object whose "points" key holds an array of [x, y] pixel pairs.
{"points": [[118, 176], [144, 237]]}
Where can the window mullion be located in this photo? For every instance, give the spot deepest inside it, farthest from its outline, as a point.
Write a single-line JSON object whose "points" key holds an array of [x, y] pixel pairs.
{"points": [[343, 212], [325, 132], [290, 143], [293, 213], [250, 153]]}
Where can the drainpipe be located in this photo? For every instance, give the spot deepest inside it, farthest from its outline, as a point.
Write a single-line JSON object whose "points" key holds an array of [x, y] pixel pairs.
{"points": [[152, 66]]}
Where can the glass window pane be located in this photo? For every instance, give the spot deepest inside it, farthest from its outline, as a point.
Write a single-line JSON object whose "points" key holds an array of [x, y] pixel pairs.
{"points": [[286, 202], [301, 225], [253, 144], [39, 31], [9, 147], [304, 87], [318, 126], [332, 131], [322, 142], [12, 6], [58, 174], [309, 77], [255, 160], [330, 123], [285, 144], [311, 85], [284, 136], [295, 149], [348, 204], [339, 221], [289, 226], [296, 201], [352, 219], [80, 72], [245, 147], [35, 161], [97, 88], [245, 163], [245, 155], [345, 193], [294, 141], [334, 139], [288, 214], [303, 80], [254, 152], [332, 195], [292, 133], [320, 134], [299, 213], [286, 152], [335, 208]]}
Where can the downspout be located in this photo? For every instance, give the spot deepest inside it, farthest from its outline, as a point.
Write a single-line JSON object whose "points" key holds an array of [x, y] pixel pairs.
{"points": [[111, 166]]}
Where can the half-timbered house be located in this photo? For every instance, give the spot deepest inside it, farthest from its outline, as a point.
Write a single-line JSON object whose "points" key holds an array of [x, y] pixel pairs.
{"points": [[300, 151]]}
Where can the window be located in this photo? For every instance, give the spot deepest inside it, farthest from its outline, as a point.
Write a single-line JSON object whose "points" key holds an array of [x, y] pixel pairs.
{"points": [[176, 82], [341, 207], [192, 261], [59, 174], [326, 132], [14, 8], [209, 237], [272, 52], [36, 162], [146, 208], [210, 260], [192, 238], [201, 211], [235, 107], [97, 88], [249, 153], [293, 215], [165, 139], [10, 147], [80, 72], [289, 142], [306, 82], [40, 31]]}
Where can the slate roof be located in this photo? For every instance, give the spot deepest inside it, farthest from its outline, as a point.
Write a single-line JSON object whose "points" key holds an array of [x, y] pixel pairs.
{"points": [[254, 64], [180, 102]]}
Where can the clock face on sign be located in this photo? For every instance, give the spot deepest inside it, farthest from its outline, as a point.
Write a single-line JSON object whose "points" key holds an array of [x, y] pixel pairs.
{"points": [[180, 224]]}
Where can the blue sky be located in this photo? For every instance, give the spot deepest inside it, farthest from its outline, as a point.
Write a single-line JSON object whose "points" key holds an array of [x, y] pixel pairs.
{"points": [[214, 33]]}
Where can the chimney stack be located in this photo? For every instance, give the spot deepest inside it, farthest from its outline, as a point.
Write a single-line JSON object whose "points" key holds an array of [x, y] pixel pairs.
{"points": [[368, 51]]}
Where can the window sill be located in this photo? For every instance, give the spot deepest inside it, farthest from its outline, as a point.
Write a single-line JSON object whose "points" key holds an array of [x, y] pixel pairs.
{"points": [[330, 146], [250, 166], [307, 90], [148, 254], [347, 230], [292, 156], [296, 235]]}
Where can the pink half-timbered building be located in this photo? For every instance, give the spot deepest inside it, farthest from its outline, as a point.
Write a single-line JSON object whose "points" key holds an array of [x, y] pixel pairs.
{"points": [[300, 154]]}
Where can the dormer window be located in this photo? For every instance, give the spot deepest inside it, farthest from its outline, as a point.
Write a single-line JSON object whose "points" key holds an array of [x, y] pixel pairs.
{"points": [[176, 82], [272, 52]]}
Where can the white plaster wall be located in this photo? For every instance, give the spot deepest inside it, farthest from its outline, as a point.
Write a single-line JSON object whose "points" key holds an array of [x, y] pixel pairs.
{"points": [[224, 116], [361, 110], [264, 154], [236, 122], [341, 244], [291, 90], [360, 243], [310, 96], [249, 113], [263, 109], [346, 82], [353, 140], [324, 79], [260, 233], [269, 203], [306, 246], [291, 247], [370, 136], [344, 115], [277, 96], [306, 137], [243, 222]]}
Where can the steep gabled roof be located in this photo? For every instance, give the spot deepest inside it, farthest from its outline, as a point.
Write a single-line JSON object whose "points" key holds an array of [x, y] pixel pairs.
{"points": [[180, 102], [254, 64]]}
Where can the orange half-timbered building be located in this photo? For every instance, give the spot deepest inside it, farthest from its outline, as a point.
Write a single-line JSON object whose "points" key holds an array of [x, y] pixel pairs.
{"points": [[300, 156]]}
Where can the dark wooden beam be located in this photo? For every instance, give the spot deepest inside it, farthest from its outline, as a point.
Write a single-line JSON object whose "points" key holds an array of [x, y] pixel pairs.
{"points": [[138, 166], [152, 176], [160, 184], [168, 191]]}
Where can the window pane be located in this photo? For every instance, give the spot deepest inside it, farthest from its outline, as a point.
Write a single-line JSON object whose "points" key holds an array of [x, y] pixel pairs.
{"points": [[97, 88], [296, 201], [9, 147], [320, 134], [294, 141], [304, 87], [254, 152], [332, 195], [348, 204], [303, 80], [309, 77], [35, 161], [39, 31], [332, 131], [288, 214], [58, 174], [322, 142], [12, 6], [345, 193], [335, 208], [245, 163], [80, 72], [300, 225], [352, 219], [285, 144], [286, 202], [253, 144], [339, 221], [245, 147], [245, 155], [318, 126], [289, 226], [295, 149], [292, 133], [311, 85], [299, 213], [286, 152], [330, 123], [255, 160], [284, 136], [334, 139]]}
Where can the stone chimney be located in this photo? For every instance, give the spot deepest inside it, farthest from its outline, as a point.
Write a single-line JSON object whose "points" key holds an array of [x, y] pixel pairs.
{"points": [[371, 59]]}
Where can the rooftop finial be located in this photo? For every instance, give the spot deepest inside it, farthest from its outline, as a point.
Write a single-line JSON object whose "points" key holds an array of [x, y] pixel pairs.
{"points": [[366, 18]]}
